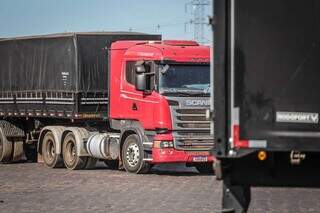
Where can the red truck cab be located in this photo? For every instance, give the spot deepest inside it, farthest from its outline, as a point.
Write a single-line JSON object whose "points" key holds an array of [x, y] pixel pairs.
{"points": [[159, 90]]}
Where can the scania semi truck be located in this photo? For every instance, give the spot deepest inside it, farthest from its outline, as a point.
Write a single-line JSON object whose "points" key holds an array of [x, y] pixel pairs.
{"points": [[129, 99], [266, 97]]}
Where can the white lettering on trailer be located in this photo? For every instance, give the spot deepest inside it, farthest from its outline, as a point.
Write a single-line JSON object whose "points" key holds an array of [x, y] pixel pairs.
{"points": [[297, 117], [65, 76]]}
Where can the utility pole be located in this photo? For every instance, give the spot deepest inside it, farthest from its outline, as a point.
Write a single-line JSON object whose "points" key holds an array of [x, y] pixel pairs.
{"points": [[198, 9]]}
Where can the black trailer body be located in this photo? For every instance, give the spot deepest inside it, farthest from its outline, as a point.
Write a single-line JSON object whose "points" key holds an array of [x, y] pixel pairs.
{"points": [[59, 75], [267, 98]]}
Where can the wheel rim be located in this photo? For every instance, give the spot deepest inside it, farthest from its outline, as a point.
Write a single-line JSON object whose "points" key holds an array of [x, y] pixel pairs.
{"points": [[50, 151], [133, 154], [71, 155]]}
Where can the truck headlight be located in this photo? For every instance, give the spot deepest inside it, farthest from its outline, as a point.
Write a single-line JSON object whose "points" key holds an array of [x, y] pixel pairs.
{"points": [[163, 144]]}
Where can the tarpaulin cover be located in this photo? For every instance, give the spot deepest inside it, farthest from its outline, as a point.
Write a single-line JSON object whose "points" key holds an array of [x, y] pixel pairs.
{"points": [[57, 75], [62, 62]]}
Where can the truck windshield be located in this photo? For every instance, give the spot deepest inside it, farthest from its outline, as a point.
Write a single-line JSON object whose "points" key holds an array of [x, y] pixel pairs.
{"points": [[186, 79]]}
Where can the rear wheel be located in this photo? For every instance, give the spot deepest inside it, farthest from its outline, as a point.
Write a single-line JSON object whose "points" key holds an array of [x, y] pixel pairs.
{"points": [[133, 154], [50, 157], [70, 156], [6, 149], [205, 168]]}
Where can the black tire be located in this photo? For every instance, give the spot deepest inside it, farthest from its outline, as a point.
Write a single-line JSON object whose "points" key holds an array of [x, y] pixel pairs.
{"points": [[205, 168], [48, 151], [71, 159], [6, 149], [133, 154], [112, 164]]}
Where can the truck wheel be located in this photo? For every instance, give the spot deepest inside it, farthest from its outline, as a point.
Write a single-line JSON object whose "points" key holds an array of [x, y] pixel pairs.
{"points": [[6, 149], [50, 157], [205, 168], [70, 157], [132, 156], [112, 164]]}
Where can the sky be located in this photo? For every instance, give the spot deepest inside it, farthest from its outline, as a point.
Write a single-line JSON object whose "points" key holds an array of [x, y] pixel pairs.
{"points": [[37, 17]]}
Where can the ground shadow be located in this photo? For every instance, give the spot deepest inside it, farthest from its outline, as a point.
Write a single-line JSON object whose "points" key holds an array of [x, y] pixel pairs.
{"points": [[176, 170], [163, 169]]}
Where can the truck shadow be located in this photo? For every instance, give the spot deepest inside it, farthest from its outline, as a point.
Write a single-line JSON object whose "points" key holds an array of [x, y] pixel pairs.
{"points": [[176, 170], [174, 173], [164, 170]]}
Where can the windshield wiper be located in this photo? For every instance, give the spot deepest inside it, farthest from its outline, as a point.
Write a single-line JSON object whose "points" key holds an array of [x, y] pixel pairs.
{"points": [[185, 93], [177, 93]]}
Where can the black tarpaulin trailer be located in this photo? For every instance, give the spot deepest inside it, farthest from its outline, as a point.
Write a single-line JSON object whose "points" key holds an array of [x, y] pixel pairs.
{"points": [[266, 96], [58, 75]]}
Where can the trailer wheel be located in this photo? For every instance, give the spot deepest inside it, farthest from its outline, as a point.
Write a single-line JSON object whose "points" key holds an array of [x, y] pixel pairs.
{"points": [[205, 168], [112, 164], [50, 157], [6, 149], [133, 154], [71, 159]]}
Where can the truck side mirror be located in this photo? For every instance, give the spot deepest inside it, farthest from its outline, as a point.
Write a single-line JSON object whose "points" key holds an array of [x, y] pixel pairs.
{"points": [[141, 82], [140, 68], [140, 76], [143, 76]]}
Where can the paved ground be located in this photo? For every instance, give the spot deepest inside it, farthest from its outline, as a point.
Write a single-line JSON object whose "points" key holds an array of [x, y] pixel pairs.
{"points": [[33, 188]]}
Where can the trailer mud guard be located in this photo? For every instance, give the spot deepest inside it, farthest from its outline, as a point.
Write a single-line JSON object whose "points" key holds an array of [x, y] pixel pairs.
{"points": [[11, 142]]}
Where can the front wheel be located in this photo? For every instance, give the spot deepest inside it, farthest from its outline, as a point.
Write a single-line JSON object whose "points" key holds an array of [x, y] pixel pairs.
{"points": [[133, 154]]}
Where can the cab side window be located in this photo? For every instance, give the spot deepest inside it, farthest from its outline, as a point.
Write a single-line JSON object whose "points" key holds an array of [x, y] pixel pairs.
{"points": [[130, 72]]}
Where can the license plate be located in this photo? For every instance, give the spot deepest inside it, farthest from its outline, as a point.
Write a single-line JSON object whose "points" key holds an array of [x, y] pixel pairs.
{"points": [[200, 159]]}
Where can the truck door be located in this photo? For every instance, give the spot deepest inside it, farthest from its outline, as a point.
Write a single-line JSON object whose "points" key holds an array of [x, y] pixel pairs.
{"points": [[138, 106]]}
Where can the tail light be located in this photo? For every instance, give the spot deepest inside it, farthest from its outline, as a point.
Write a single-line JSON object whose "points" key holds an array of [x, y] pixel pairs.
{"points": [[237, 142]]}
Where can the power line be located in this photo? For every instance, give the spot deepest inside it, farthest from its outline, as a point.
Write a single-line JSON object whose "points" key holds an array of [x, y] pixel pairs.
{"points": [[199, 18], [157, 27]]}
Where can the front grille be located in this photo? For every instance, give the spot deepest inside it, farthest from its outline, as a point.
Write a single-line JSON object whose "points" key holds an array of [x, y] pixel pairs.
{"points": [[191, 130]]}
